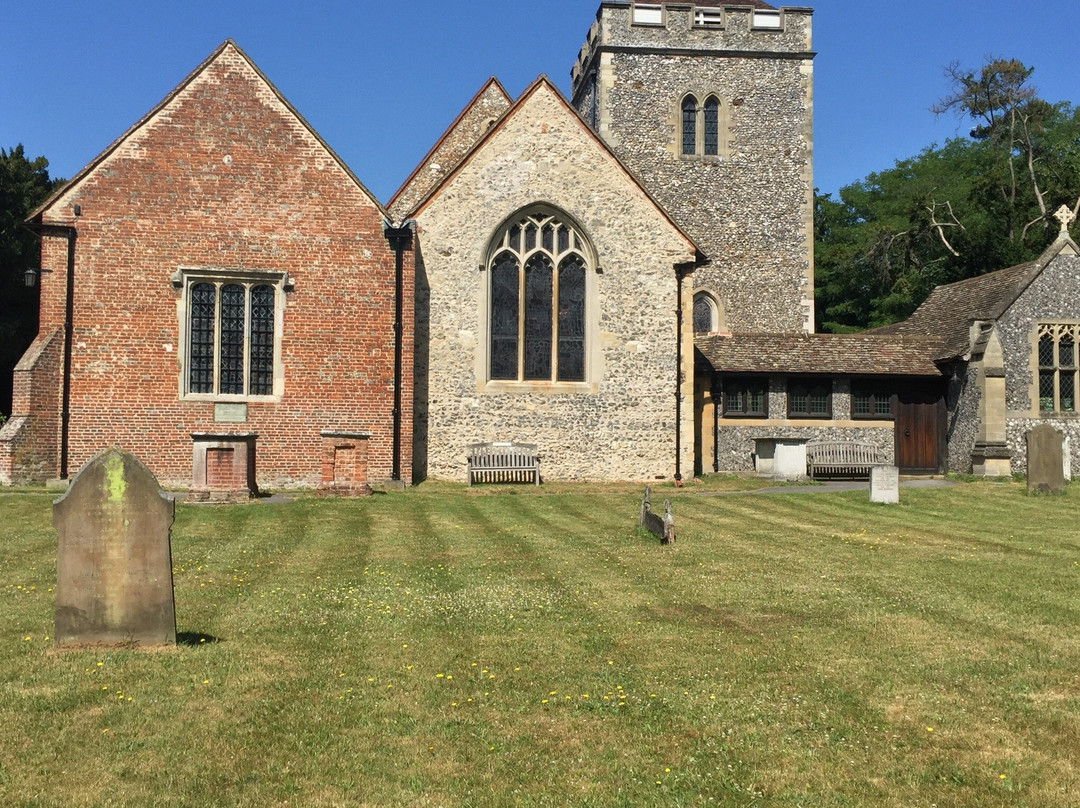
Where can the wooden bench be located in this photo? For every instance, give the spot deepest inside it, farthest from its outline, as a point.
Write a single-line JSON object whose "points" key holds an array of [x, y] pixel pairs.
{"points": [[503, 462], [842, 458]]}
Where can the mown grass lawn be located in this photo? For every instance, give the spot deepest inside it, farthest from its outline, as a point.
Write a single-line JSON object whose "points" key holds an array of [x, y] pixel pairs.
{"points": [[514, 646]]}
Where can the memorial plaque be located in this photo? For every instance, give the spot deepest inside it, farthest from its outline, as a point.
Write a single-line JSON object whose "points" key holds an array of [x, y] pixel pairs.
{"points": [[230, 413], [114, 582], [885, 484], [1045, 460]]}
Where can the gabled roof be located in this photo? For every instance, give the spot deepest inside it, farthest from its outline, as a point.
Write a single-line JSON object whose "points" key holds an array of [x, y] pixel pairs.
{"points": [[951, 308], [823, 354], [542, 82], [228, 44], [487, 105]]}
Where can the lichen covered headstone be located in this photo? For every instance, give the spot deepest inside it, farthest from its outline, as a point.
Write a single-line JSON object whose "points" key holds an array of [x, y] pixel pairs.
{"points": [[1045, 460], [114, 582]]}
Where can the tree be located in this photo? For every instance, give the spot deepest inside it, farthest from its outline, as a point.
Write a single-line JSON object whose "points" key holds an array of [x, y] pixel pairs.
{"points": [[1029, 138], [24, 184], [962, 209]]}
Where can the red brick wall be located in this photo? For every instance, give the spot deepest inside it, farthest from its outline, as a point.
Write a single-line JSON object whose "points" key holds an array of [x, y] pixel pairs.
{"points": [[224, 176], [30, 440]]}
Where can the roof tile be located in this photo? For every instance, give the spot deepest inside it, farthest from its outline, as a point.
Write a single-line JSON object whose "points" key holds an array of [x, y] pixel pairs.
{"points": [[825, 354]]}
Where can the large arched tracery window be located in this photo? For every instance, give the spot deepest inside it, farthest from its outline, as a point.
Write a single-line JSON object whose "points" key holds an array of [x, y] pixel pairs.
{"points": [[538, 277]]}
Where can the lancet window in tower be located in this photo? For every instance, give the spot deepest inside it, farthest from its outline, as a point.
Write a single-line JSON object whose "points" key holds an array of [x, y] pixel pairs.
{"points": [[702, 126], [712, 125], [689, 125]]}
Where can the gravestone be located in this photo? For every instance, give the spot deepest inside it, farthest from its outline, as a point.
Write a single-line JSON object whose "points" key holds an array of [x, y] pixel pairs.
{"points": [[1066, 459], [885, 484], [1045, 460], [114, 582], [663, 527]]}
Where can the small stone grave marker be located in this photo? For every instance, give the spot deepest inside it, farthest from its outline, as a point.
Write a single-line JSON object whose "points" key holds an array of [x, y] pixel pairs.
{"points": [[114, 583], [885, 484], [663, 527], [1045, 460], [1066, 458]]}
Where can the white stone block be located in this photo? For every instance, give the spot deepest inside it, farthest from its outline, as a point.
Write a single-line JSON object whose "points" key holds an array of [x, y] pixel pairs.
{"points": [[885, 485]]}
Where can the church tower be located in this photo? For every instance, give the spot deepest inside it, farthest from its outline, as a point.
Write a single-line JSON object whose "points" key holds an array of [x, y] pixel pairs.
{"points": [[710, 104]]}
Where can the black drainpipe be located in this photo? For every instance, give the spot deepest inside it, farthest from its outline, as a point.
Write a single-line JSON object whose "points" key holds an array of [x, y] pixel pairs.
{"points": [[400, 239], [681, 271]]}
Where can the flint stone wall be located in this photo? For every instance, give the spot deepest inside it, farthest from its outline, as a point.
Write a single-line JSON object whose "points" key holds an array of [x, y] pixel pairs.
{"points": [[473, 124], [1054, 296], [751, 208], [962, 403], [736, 436], [624, 426]]}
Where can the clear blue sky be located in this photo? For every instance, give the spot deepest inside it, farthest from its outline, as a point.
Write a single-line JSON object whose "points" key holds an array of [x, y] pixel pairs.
{"points": [[380, 81]]}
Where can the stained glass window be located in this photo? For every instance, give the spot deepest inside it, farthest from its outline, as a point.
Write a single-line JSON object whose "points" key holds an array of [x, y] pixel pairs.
{"points": [[704, 314], [504, 317], [231, 352], [261, 370], [1058, 367], [712, 125], [572, 320], [537, 316], [202, 312], [231, 338], [689, 125]]}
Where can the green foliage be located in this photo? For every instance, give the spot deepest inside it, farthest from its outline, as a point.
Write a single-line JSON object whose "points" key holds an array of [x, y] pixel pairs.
{"points": [[24, 184], [970, 206]]}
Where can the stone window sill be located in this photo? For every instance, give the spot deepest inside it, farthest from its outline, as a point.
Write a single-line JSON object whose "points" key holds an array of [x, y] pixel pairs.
{"points": [[540, 388]]}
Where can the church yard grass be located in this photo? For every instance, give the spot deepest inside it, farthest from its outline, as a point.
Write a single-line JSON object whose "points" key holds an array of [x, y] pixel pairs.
{"points": [[512, 646]]}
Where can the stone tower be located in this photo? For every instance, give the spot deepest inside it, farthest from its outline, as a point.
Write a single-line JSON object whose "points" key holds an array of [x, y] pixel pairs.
{"points": [[710, 104]]}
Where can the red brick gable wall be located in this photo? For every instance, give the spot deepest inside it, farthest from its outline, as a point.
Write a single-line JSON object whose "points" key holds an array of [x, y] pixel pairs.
{"points": [[225, 176]]}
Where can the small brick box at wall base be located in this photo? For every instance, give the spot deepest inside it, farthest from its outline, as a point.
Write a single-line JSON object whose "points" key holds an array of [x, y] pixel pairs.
{"points": [[345, 463], [223, 467]]}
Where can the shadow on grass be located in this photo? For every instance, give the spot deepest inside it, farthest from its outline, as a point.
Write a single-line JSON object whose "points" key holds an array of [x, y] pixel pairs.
{"points": [[194, 638]]}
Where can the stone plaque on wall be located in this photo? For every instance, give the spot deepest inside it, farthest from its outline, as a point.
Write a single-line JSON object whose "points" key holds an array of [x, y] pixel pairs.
{"points": [[1045, 459], [114, 582], [230, 413]]}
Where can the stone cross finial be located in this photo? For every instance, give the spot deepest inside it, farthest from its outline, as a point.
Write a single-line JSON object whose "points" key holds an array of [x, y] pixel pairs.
{"points": [[1066, 217]]}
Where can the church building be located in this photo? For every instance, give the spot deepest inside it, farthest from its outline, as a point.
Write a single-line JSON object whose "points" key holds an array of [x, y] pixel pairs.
{"points": [[623, 278]]}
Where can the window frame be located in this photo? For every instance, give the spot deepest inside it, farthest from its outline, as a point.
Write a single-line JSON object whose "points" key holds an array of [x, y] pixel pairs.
{"points": [[714, 312], [707, 145], [577, 251], [1056, 333], [185, 280], [875, 394], [813, 387], [743, 386]]}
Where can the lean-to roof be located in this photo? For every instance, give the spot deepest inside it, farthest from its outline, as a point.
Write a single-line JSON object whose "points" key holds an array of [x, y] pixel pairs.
{"points": [[822, 354]]}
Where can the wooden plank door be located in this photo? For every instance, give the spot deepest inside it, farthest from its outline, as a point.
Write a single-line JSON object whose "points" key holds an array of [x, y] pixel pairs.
{"points": [[920, 421]]}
